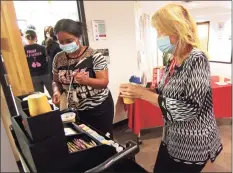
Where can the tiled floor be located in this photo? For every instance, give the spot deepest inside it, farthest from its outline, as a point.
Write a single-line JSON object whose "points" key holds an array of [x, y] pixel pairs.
{"points": [[151, 140]]}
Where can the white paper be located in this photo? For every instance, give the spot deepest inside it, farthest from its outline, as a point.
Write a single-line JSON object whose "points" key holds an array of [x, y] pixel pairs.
{"points": [[221, 83], [99, 30], [69, 131]]}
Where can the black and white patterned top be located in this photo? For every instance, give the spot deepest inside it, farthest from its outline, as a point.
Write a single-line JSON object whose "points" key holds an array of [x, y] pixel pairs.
{"points": [[81, 97], [192, 135]]}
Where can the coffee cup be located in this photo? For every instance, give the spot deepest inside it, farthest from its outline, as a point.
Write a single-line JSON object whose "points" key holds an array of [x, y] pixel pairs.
{"points": [[128, 101], [133, 80], [221, 79]]}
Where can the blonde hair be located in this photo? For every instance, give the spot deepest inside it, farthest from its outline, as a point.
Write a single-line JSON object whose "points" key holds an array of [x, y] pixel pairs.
{"points": [[175, 20]]}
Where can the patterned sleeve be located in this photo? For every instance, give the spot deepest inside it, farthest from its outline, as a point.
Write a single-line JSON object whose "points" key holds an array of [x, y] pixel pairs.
{"points": [[55, 63], [99, 62], [198, 72]]}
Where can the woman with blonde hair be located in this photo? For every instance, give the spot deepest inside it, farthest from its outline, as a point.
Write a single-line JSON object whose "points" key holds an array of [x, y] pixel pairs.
{"points": [[184, 95]]}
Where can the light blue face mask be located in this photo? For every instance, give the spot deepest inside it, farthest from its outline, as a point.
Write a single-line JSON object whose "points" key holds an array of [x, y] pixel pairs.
{"points": [[69, 48], [165, 45]]}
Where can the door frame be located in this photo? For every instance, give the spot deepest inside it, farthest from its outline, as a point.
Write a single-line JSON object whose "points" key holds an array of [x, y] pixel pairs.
{"points": [[82, 18]]}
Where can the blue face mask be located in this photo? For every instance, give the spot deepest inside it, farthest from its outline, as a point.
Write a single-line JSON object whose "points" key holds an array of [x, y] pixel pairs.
{"points": [[165, 45], [69, 48]]}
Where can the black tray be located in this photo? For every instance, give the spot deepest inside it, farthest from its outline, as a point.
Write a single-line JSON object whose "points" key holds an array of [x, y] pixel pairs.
{"points": [[81, 136], [52, 155], [20, 103], [44, 155], [79, 121], [43, 126]]}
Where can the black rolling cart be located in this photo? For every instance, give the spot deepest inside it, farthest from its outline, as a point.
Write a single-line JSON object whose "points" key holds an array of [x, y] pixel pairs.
{"points": [[44, 146]]}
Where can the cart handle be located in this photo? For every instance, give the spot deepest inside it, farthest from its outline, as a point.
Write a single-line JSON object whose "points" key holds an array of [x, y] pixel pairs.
{"points": [[131, 150]]}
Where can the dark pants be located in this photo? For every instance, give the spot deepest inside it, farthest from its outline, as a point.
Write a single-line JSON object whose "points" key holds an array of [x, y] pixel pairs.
{"points": [[39, 82], [100, 117], [165, 164]]}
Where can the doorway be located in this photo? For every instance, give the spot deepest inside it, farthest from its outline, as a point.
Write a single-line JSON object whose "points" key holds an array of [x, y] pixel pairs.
{"points": [[46, 13]]}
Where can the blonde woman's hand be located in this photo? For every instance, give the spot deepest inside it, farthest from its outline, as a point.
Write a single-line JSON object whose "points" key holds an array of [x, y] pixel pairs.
{"points": [[131, 91]]}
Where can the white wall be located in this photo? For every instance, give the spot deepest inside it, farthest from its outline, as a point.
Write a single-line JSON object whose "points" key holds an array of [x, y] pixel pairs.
{"points": [[204, 11], [215, 15], [121, 40]]}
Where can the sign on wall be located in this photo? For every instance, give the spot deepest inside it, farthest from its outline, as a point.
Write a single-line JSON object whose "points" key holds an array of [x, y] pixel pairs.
{"points": [[99, 30]]}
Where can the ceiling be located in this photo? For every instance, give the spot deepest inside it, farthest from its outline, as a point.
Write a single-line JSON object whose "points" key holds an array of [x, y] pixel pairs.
{"points": [[152, 6]]}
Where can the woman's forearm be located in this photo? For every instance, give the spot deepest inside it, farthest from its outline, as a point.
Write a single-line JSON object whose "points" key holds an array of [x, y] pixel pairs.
{"points": [[150, 89], [150, 97], [97, 83], [56, 86]]}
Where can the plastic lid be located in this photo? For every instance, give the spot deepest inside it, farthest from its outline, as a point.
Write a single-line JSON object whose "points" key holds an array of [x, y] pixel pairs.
{"points": [[135, 79]]}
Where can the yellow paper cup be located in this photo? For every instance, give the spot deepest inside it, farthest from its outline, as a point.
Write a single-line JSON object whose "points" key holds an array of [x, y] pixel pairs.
{"points": [[128, 101], [38, 104], [221, 79]]}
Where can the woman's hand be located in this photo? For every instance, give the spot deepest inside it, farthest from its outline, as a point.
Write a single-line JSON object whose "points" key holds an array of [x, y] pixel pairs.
{"points": [[137, 91], [81, 77], [131, 91], [56, 97]]}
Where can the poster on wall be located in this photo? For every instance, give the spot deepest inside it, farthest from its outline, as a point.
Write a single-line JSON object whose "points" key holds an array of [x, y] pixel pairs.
{"points": [[105, 53], [99, 30], [220, 29], [221, 49]]}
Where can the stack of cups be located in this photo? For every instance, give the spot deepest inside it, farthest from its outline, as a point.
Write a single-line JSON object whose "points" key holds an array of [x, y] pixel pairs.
{"points": [[133, 80], [221, 80]]}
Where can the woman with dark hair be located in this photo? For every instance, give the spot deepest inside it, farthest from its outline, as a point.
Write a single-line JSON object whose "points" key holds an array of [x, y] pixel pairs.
{"points": [[37, 62], [87, 72], [46, 34], [52, 48]]}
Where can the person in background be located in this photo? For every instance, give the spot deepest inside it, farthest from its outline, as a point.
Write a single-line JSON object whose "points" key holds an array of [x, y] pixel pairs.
{"points": [[46, 33], [52, 48], [22, 37], [86, 69], [191, 136], [32, 27], [37, 63]]}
